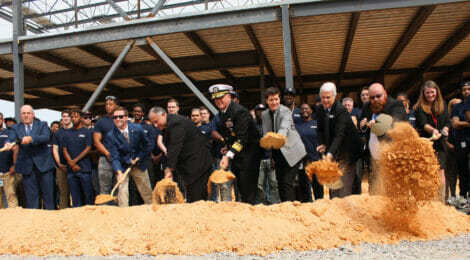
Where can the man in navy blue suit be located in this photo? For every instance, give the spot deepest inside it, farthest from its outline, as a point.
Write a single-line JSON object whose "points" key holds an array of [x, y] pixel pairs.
{"points": [[34, 160], [127, 144]]}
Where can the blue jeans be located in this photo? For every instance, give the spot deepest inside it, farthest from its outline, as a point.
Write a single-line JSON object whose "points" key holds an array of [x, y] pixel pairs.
{"points": [[268, 192], [80, 186]]}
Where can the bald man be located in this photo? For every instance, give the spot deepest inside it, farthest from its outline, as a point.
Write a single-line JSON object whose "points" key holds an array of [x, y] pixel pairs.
{"points": [[34, 159], [379, 103]]}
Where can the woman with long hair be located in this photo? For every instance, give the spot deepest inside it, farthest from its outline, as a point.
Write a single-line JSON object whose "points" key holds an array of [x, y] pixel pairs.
{"points": [[432, 118]]}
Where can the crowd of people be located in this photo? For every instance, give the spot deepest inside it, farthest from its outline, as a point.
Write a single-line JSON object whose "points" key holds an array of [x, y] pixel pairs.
{"points": [[70, 162]]}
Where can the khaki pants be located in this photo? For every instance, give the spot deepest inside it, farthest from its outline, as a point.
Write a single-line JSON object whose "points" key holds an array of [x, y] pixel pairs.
{"points": [[10, 181], [142, 181], [63, 185]]}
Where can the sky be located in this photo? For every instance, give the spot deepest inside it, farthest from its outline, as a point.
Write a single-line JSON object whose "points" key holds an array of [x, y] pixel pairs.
{"points": [[7, 107]]}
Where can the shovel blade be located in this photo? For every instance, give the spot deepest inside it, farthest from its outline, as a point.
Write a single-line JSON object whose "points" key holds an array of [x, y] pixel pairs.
{"points": [[104, 198], [166, 192]]}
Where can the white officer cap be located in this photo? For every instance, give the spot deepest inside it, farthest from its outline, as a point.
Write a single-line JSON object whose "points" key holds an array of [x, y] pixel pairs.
{"points": [[219, 90]]}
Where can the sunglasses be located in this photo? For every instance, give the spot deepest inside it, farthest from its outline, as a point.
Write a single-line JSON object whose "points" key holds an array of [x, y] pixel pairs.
{"points": [[119, 116], [87, 117], [376, 96], [110, 98]]}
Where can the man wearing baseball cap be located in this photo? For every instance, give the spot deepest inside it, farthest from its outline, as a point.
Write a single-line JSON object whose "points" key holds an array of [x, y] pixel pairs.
{"points": [[241, 136]]}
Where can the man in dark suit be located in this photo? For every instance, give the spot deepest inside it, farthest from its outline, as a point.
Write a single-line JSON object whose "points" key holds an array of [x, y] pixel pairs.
{"points": [[34, 160], [241, 136], [338, 137], [188, 152], [379, 103], [127, 144]]}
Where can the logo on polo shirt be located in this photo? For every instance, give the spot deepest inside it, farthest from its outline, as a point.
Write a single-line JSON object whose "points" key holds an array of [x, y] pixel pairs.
{"points": [[4, 136], [81, 135], [313, 126]]}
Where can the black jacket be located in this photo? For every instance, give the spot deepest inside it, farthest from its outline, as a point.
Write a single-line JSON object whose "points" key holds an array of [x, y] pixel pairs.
{"points": [[393, 108], [188, 150], [442, 120], [238, 128], [342, 139]]}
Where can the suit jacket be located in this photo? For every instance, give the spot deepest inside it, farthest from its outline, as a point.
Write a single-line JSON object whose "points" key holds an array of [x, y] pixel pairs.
{"points": [[188, 150], [36, 153], [122, 152], [294, 150], [342, 139], [238, 128], [393, 108]]}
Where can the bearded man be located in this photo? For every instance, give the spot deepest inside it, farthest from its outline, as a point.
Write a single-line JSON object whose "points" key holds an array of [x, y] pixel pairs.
{"points": [[379, 103]]}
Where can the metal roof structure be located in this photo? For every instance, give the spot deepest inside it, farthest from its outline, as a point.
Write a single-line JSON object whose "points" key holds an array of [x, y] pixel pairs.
{"points": [[251, 46]]}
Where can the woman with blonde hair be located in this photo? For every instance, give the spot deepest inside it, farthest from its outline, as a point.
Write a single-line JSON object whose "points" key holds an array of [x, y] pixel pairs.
{"points": [[432, 118]]}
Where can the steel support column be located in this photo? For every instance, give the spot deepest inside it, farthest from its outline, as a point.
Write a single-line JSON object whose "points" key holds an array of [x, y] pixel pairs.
{"points": [[18, 67], [108, 76], [287, 47], [181, 75]]}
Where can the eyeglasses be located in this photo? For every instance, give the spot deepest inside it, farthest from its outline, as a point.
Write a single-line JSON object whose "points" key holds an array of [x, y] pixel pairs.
{"points": [[119, 116], [110, 98], [376, 96], [87, 117]]}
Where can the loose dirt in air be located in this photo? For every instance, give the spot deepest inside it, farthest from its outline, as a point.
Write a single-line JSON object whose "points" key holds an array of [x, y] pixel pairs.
{"points": [[410, 173], [273, 140], [327, 173]]}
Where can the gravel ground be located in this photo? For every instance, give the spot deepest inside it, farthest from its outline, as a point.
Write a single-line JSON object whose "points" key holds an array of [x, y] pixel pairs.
{"points": [[450, 248]]}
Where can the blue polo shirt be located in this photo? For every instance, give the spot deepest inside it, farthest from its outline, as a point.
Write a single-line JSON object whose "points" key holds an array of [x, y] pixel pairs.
{"points": [[6, 158], [76, 142], [296, 115], [103, 126], [151, 133], [308, 133], [59, 138], [460, 134], [206, 130]]}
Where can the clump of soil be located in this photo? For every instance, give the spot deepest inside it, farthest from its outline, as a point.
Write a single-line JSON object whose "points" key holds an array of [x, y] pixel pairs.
{"points": [[166, 191], [273, 140], [328, 173], [409, 170]]}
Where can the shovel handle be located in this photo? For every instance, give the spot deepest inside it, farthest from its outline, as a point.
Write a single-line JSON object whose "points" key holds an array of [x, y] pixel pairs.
{"points": [[124, 176]]}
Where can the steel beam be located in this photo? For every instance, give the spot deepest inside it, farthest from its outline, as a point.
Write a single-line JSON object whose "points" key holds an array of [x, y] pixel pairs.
{"points": [[6, 47], [108, 76], [118, 9], [286, 36], [409, 84], [261, 54], [141, 69], [347, 45], [101, 54], [181, 75], [157, 8], [196, 40], [18, 69], [419, 19], [214, 19], [8, 66], [445, 81]]}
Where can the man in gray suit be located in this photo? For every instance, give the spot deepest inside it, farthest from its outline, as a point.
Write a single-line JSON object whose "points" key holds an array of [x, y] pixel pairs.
{"points": [[278, 119]]}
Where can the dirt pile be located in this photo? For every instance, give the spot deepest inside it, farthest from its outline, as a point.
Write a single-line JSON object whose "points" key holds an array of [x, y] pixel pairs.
{"points": [[409, 171], [203, 227]]}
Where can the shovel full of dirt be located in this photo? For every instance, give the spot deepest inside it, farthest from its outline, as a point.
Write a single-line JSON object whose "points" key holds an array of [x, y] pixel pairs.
{"points": [[221, 186], [105, 198], [328, 173], [166, 192]]}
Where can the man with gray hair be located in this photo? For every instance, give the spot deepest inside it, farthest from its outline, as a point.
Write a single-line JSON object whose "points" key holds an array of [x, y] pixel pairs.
{"points": [[337, 137], [188, 152]]}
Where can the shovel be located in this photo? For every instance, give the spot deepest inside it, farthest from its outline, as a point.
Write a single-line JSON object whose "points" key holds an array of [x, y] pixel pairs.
{"points": [[166, 192], [104, 198]]}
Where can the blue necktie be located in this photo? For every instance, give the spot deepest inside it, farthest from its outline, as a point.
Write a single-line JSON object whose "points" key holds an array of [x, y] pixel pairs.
{"points": [[28, 130]]}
